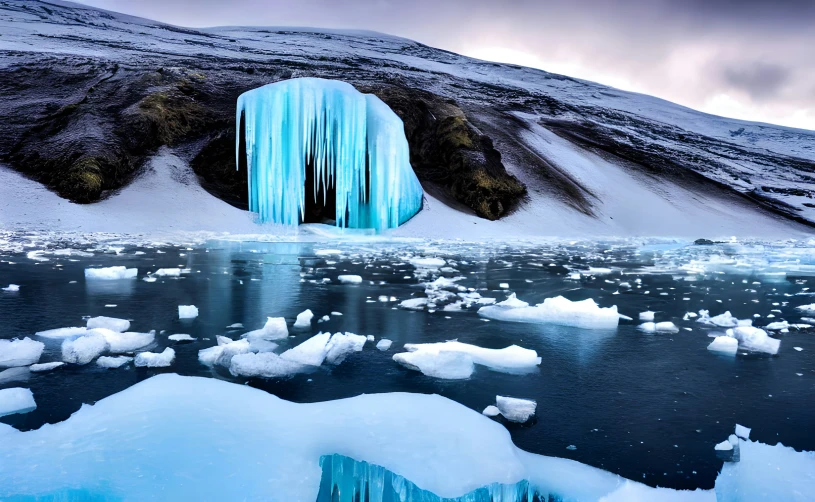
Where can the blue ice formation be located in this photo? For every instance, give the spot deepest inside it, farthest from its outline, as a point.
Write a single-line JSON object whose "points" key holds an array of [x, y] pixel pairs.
{"points": [[347, 480], [354, 142]]}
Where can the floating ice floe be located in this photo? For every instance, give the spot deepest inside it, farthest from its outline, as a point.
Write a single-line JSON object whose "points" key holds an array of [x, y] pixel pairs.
{"points": [[16, 374], [62, 332], [428, 440], [515, 409], [304, 319], [807, 309], [129, 341], [110, 323], [20, 352], [413, 303], [384, 344], [454, 360], [491, 411], [742, 431], [274, 329], [187, 311], [350, 279], [725, 320], [111, 273], [658, 327], [16, 400], [155, 360], [180, 337], [43, 367], [754, 339], [112, 362], [724, 345], [647, 316], [84, 349], [777, 326], [263, 365], [427, 263], [558, 310], [167, 272], [11, 288], [237, 325]]}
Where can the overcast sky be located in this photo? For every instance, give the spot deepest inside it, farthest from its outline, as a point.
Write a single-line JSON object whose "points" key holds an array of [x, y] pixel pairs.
{"points": [[748, 59]]}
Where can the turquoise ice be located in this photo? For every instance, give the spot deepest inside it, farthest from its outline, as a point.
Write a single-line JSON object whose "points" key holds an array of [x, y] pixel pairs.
{"points": [[354, 142]]}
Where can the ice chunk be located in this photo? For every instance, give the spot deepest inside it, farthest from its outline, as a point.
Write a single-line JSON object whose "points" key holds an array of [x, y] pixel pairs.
{"points": [[16, 400], [807, 309], [11, 288], [383, 344], [62, 332], [658, 327], [274, 329], [304, 319], [180, 337], [84, 349], [126, 342], [311, 352], [113, 362], [110, 323], [353, 142], [558, 310], [20, 352], [647, 316], [725, 320], [225, 353], [43, 367], [236, 325], [447, 365], [724, 344], [263, 365], [168, 272], [434, 358], [512, 302], [413, 303], [755, 339], [187, 311], [742, 431], [17, 374], [776, 326], [155, 360], [350, 279], [491, 411], [723, 446], [427, 262], [341, 345], [514, 409], [111, 273]]}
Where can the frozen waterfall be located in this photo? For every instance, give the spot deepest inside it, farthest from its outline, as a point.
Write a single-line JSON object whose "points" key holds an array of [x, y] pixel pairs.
{"points": [[312, 142]]}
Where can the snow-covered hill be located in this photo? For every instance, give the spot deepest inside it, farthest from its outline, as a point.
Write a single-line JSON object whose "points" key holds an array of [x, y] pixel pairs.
{"points": [[595, 160]]}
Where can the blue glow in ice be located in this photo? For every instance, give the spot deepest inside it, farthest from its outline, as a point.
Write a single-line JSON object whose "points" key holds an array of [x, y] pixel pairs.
{"points": [[355, 143]]}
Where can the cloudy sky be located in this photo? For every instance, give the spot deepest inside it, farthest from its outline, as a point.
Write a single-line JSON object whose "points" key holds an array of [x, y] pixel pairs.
{"points": [[748, 59]]}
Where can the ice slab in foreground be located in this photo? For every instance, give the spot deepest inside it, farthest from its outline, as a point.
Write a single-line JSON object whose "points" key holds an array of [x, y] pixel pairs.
{"points": [[558, 310], [16, 400], [110, 323], [766, 472], [126, 445]]}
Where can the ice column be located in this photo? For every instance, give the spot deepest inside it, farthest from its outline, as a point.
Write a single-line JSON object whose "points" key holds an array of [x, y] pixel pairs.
{"points": [[354, 142]]}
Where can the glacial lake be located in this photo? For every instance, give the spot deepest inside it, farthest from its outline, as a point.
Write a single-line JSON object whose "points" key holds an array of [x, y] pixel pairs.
{"points": [[649, 407]]}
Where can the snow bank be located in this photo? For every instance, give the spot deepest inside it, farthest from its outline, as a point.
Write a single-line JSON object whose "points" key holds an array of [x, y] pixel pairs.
{"points": [[111, 273], [454, 360], [20, 352], [16, 400], [558, 310], [187, 311], [120, 446], [155, 360], [110, 323]]}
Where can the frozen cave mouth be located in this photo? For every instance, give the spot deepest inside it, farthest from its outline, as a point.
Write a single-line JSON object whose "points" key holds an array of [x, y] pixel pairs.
{"points": [[320, 151]]}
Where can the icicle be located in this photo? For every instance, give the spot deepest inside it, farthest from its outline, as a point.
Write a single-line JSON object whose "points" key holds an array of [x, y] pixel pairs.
{"points": [[341, 133]]}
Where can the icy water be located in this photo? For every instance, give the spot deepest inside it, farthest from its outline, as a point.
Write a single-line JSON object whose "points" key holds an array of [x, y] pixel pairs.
{"points": [[648, 407]]}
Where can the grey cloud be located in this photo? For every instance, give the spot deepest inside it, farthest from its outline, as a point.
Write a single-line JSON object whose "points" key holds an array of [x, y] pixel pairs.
{"points": [[762, 81]]}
